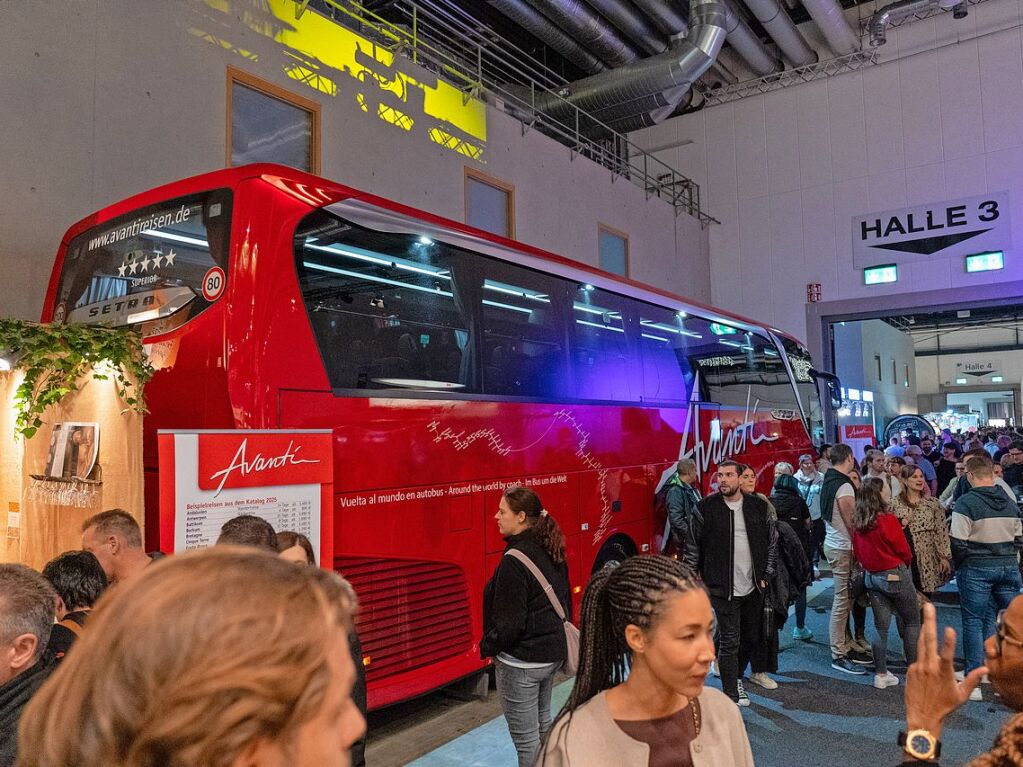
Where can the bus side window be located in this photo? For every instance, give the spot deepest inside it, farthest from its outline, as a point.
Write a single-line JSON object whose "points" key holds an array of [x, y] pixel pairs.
{"points": [[603, 364]]}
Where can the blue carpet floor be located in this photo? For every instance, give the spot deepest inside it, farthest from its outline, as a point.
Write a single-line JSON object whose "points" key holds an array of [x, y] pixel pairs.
{"points": [[817, 716]]}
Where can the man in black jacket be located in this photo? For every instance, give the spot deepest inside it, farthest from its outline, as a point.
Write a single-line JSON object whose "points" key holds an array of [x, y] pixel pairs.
{"points": [[27, 609], [730, 545], [680, 498]]}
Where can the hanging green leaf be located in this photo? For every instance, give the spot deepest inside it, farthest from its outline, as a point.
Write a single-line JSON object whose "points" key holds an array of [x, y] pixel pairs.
{"points": [[55, 358]]}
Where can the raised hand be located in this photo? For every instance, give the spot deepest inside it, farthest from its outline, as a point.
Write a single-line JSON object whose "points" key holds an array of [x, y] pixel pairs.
{"points": [[932, 692]]}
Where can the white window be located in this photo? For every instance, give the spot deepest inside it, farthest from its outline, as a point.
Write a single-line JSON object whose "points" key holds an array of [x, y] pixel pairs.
{"points": [[489, 204], [268, 124], [614, 250]]}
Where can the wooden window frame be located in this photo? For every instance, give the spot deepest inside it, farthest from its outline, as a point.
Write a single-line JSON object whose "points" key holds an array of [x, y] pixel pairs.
{"points": [[617, 233], [267, 88], [493, 181]]}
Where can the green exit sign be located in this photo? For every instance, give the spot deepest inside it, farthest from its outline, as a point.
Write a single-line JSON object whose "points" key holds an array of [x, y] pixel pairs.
{"points": [[879, 275], [985, 262]]}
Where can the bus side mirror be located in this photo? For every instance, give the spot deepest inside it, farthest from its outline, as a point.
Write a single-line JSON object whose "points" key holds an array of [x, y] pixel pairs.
{"points": [[829, 387]]}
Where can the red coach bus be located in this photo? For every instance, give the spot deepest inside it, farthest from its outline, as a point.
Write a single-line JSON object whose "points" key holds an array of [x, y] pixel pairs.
{"points": [[448, 362]]}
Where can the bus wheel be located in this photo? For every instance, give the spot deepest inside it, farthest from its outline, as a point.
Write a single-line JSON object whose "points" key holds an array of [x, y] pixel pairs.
{"points": [[616, 550]]}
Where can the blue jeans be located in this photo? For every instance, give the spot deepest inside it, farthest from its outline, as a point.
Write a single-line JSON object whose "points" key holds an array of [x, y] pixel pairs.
{"points": [[893, 597], [978, 588], [525, 695]]}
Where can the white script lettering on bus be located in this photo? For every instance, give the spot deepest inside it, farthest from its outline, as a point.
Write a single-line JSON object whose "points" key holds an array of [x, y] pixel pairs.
{"points": [[723, 445], [239, 463]]}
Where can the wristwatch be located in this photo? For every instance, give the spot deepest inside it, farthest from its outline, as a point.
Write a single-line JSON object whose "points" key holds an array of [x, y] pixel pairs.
{"points": [[920, 744]]}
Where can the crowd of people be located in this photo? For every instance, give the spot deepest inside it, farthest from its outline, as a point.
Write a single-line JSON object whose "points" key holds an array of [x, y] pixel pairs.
{"points": [[246, 653]]}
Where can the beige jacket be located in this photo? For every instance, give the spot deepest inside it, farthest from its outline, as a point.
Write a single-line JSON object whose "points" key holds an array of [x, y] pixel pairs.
{"points": [[590, 738]]}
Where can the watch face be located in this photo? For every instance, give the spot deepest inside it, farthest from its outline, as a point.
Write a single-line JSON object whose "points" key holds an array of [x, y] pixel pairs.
{"points": [[920, 744]]}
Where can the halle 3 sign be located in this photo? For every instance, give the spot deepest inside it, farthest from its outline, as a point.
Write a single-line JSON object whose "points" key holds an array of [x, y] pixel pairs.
{"points": [[954, 228]]}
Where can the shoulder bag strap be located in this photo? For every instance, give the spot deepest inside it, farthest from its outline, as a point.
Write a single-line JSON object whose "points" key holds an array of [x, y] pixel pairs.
{"points": [[544, 583]]}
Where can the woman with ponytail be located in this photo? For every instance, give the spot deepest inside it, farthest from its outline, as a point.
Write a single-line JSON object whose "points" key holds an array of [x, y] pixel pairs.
{"points": [[522, 632], [639, 697]]}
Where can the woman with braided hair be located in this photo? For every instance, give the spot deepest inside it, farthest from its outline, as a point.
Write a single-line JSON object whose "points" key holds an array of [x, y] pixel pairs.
{"points": [[639, 697], [933, 690], [522, 631]]}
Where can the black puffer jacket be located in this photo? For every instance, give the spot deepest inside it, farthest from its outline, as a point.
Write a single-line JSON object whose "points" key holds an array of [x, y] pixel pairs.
{"points": [[518, 618], [792, 509]]}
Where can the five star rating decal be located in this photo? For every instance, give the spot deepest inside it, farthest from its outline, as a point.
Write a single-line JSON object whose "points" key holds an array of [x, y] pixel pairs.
{"points": [[134, 266]]}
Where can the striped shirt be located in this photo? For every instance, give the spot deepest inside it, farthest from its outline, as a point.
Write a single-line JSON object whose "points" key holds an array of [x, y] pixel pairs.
{"points": [[985, 524]]}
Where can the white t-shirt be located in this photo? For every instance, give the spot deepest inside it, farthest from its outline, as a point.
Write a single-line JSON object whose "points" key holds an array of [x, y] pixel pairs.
{"points": [[742, 557], [835, 534]]}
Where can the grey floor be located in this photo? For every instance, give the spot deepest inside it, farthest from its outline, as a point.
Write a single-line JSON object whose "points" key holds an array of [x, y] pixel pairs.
{"points": [[817, 716]]}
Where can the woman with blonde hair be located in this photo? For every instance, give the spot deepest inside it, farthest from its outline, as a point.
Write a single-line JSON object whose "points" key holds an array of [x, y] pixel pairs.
{"points": [[924, 517], [225, 657]]}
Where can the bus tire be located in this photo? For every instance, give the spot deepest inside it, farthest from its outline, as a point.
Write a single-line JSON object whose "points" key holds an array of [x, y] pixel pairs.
{"points": [[615, 550]]}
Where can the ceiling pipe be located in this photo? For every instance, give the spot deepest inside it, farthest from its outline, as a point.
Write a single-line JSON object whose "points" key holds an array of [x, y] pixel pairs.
{"points": [[776, 21], [830, 19], [590, 30], [675, 70], [540, 27], [666, 14], [748, 45], [889, 14], [632, 23]]}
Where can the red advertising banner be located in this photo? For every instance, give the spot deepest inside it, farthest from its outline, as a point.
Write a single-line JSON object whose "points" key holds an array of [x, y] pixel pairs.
{"points": [[209, 477], [858, 436]]}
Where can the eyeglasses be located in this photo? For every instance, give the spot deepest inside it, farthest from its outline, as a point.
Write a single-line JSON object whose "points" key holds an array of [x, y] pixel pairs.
{"points": [[1000, 634]]}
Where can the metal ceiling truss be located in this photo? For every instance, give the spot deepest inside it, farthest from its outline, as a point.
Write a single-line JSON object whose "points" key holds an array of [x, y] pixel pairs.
{"points": [[820, 70]]}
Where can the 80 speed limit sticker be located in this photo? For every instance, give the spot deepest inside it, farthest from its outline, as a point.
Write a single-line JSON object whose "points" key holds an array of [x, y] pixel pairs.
{"points": [[213, 283]]}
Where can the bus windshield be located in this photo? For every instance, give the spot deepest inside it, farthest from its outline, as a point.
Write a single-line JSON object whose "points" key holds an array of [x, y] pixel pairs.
{"points": [[148, 267], [802, 367]]}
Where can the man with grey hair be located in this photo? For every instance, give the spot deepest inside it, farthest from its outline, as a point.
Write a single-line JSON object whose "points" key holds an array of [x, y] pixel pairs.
{"points": [[27, 610]]}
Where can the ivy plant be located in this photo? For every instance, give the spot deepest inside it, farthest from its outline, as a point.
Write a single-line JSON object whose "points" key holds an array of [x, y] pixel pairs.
{"points": [[56, 358]]}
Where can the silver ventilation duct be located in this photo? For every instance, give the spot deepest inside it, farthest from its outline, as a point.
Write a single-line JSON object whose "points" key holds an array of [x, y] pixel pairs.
{"points": [[773, 17], [588, 28], [883, 17], [750, 47], [829, 17], [633, 23], [664, 14], [539, 26], [611, 93]]}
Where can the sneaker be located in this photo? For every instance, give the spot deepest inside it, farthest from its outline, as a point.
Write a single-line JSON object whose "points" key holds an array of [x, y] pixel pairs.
{"points": [[860, 657], [960, 675], [802, 634], [975, 694], [843, 664], [714, 669], [887, 679], [763, 680], [743, 697]]}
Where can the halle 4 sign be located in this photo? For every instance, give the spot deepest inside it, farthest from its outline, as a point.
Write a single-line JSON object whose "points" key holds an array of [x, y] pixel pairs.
{"points": [[954, 228]]}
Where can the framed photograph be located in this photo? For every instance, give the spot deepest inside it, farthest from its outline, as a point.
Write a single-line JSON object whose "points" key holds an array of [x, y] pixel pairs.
{"points": [[74, 448]]}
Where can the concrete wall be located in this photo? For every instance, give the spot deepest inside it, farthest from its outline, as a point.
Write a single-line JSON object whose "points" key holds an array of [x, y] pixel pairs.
{"points": [[785, 172], [856, 344], [105, 98]]}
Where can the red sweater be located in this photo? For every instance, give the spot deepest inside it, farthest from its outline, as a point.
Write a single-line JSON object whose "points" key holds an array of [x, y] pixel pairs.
{"points": [[884, 547]]}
